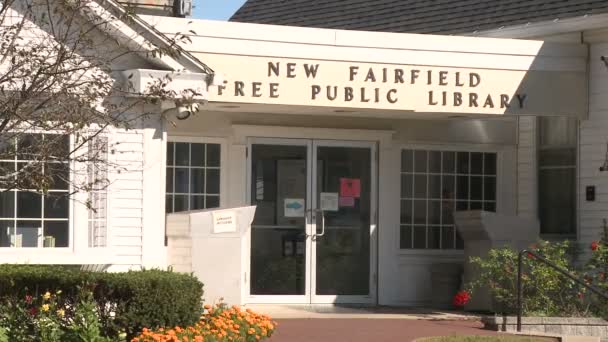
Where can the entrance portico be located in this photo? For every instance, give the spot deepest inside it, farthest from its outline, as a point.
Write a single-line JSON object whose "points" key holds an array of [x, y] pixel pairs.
{"points": [[357, 147]]}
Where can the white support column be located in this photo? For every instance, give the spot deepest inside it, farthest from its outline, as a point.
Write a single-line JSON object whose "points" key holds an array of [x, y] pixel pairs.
{"points": [[153, 212]]}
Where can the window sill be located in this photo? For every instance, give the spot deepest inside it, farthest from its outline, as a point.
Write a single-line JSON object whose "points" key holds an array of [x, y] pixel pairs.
{"points": [[456, 253], [62, 256]]}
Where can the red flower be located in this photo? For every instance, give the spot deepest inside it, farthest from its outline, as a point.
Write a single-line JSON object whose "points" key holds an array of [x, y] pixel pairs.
{"points": [[581, 295], [531, 256], [33, 311], [461, 299], [602, 275], [28, 299], [594, 246]]}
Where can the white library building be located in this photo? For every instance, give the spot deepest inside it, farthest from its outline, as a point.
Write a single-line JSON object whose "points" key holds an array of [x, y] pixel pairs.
{"points": [[350, 154]]}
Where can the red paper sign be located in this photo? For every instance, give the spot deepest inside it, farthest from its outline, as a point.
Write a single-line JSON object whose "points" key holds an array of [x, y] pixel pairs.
{"points": [[350, 187]]}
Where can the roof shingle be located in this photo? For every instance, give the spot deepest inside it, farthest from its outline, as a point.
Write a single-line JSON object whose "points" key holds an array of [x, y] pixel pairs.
{"points": [[414, 16]]}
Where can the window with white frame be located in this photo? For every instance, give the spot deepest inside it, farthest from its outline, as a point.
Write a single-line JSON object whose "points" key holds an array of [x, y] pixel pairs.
{"points": [[193, 176], [436, 183], [29, 218], [557, 144]]}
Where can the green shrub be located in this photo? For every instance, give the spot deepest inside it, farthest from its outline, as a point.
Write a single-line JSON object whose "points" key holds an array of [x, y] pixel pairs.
{"points": [[126, 302], [546, 291]]}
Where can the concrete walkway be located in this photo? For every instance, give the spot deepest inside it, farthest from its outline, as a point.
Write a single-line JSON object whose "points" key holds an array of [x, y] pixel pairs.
{"points": [[331, 323]]}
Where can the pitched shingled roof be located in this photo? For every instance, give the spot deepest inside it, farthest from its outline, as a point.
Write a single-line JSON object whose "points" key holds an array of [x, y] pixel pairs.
{"points": [[416, 16]]}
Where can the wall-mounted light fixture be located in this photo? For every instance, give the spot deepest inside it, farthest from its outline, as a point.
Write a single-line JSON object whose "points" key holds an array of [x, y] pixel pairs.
{"points": [[604, 166]]}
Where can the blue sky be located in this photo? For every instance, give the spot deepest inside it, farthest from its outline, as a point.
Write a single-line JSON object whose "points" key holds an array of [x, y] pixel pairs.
{"points": [[215, 9]]}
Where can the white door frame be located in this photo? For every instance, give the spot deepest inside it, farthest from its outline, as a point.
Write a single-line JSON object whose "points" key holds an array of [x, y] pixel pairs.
{"points": [[309, 297]]}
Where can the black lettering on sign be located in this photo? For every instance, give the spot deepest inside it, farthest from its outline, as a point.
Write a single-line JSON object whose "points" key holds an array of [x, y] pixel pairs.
{"points": [[443, 78], [370, 76], [473, 100], [389, 96], [399, 76], [311, 70], [363, 98], [348, 94], [353, 72], [474, 80], [238, 88], [331, 96], [458, 83], [445, 97], [220, 89], [521, 98], [431, 101], [489, 102], [274, 90], [315, 91], [257, 87], [273, 68], [414, 75], [291, 70], [504, 101], [457, 99]]}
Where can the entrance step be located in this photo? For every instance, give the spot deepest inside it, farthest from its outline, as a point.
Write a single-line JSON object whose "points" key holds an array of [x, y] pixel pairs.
{"points": [[358, 312]]}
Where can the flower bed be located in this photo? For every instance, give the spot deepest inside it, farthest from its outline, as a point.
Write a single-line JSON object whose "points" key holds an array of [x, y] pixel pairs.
{"points": [[218, 324]]}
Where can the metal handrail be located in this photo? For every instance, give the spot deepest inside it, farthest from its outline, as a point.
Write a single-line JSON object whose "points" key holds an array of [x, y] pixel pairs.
{"points": [[520, 288]]}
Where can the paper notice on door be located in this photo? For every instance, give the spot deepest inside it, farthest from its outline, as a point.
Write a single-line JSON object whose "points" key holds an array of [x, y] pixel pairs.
{"points": [[346, 202], [294, 207], [329, 201], [350, 187]]}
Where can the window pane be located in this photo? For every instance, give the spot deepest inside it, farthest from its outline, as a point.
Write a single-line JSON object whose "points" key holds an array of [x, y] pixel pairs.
{"points": [[419, 237], [407, 161], [489, 188], [182, 154], [406, 186], [197, 202], [27, 233], [29, 205], [170, 153], [197, 181], [557, 157], [213, 155], [447, 212], [557, 206], [59, 146], [476, 205], [181, 180], [56, 206], [420, 161], [489, 206], [28, 146], [59, 174], [420, 212], [7, 204], [489, 163], [462, 205], [434, 162], [406, 211], [557, 131], [169, 180], [7, 147], [476, 188], [180, 203], [447, 237], [212, 202], [420, 186], [434, 212], [405, 237], [213, 181], [169, 204], [459, 241], [6, 231], [434, 186], [6, 168], [448, 189], [463, 162], [449, 162], [462, 187], [56, 234], [476, 163], [197, 154], [434, 237]]}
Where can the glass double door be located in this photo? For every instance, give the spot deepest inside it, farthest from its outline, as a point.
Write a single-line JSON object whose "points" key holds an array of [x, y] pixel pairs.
{"points": [[312, 238]]}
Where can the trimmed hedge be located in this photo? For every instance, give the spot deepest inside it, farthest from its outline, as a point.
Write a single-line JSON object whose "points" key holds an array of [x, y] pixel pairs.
{"points": [[126, 302]]}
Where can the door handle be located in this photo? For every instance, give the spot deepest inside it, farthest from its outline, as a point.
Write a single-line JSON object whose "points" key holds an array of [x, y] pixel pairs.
{"points": [[322, 213]]}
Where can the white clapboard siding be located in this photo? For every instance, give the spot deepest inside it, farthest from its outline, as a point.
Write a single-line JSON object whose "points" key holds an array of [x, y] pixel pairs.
{"points": [[593, 139], [126, 199], [526, 168]]}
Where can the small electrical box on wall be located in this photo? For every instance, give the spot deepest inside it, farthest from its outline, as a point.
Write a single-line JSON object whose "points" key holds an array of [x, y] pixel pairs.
{"points": [[590, 193]]}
